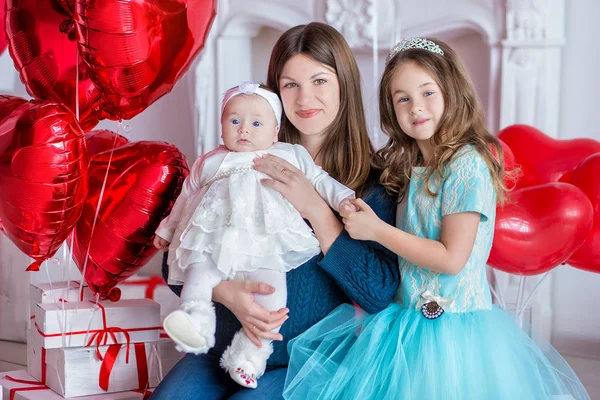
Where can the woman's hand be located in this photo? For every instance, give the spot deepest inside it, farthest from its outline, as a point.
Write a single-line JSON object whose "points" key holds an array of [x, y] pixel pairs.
{"points": [[292, 184], [257, 321], [363, 224], [160, 243]]}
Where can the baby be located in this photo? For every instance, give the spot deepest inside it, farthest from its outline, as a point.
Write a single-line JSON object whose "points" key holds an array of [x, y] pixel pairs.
{"points": [[226, 225]]}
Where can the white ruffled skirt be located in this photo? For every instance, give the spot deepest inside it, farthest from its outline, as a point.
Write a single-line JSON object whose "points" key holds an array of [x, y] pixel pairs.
{"points": [[241, 225]]}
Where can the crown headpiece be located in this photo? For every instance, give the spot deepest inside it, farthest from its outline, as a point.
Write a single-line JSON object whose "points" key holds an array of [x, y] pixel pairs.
{"points": [[414, 43]]}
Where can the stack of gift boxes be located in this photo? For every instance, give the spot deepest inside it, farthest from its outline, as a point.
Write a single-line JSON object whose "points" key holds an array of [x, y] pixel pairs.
{"points": [[77, 346]]}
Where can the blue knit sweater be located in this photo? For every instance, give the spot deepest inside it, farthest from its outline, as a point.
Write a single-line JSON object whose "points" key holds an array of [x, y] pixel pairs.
{"points": [[352, 270]]}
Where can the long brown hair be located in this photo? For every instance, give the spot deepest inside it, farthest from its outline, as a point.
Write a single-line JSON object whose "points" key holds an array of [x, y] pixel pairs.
{"points": [[462, 123], [346, 151]]}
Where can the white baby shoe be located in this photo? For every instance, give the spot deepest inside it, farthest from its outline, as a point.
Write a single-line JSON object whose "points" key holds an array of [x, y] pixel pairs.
{"points": [[192, 327]]}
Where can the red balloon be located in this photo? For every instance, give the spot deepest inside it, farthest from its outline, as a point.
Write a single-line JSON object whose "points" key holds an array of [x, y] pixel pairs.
{"points": [[587, 178], [542, 158], [143, 181], [540, 228], [509, 163], [8, 105], [43, 165], [41, 42], [102, 140], [2, 36], [137, 50]]}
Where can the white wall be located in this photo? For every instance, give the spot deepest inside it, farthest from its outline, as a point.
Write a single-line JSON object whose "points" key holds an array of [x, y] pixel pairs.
{"points": [[576, 326]]}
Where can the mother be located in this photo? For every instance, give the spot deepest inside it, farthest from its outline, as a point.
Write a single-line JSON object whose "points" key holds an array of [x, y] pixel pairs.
{"points": [[314, 72]]}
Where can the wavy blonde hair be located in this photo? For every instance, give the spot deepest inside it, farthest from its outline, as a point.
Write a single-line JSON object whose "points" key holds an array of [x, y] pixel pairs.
{"points": [[347, 150], [462, 124]]}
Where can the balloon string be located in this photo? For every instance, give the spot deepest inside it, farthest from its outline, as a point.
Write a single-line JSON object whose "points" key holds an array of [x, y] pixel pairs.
{"points": [[87, 253], [76, 83]]}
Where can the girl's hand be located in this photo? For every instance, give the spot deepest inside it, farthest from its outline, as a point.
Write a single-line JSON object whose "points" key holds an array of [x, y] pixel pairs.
{"points": [[362, 224], [160, 243], [292, 184], [257, 321]]}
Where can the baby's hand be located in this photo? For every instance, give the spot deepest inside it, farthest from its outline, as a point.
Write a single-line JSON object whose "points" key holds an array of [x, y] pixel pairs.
{"points": [[160, 243], [347, 206]]}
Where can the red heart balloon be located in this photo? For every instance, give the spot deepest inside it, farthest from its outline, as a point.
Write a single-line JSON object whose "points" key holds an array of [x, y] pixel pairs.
{"points": [[2, 36], [509, 163], [143, 181], [540, 228], [137, 50], [8, 105], [542, 158], [102, 140], [587, 178], [43, 164], [41, 42]]}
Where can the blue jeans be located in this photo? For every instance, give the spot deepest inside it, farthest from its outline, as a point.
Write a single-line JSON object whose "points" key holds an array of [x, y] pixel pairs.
{"points": [[201, 377]]}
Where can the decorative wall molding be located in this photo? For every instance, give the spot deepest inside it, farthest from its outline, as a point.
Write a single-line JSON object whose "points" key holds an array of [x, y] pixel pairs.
{"points": [[354, 19]]}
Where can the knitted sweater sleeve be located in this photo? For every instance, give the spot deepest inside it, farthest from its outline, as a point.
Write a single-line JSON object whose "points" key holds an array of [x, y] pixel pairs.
{"points": [[366, 271]]}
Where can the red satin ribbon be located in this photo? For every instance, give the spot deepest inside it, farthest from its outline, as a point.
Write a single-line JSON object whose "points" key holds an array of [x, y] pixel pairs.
{"points": [[111, 357], [101, 336], [36, 386], [151, 283]]}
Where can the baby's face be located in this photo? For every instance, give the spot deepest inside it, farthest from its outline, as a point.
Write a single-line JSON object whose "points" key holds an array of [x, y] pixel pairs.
{"points": [[248, 124]]}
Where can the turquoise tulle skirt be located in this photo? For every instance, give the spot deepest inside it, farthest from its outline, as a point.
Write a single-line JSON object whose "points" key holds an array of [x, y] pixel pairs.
{"points": [[399, 354]]}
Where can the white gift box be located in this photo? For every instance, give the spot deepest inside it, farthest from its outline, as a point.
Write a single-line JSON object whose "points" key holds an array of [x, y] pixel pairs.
{"points": [[75, 324], [168, 356], [150, 287], [76, 371], [24, 387], [65, 291]]}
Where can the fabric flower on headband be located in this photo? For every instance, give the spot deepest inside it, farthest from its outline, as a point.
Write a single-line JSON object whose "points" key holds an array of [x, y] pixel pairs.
{"points": [[414, 43], [248, 87]]}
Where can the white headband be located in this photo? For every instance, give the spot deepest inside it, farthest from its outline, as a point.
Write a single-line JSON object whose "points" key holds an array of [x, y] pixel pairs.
{"points": [[249, 87]]}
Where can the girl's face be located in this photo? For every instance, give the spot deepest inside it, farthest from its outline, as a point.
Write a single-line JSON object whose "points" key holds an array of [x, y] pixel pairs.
{"points": [[418, 103], [310, 92], [248, 124]]}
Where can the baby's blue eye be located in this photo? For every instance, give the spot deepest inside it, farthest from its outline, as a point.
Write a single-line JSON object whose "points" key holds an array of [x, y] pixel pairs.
{"points": [[256, 123], [428, 93], [235, 121], [403, 100]]}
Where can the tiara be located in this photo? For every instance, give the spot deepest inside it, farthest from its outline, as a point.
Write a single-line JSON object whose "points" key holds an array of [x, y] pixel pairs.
{"points": [[414, 43]]}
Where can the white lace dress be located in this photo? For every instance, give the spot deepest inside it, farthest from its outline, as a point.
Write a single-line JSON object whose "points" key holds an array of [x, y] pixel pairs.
{"points": [[227, 218]]}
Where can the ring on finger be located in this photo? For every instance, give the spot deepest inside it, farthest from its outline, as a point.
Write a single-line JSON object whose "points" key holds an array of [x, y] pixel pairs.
{"points": [[283, 171], [253, 328]]}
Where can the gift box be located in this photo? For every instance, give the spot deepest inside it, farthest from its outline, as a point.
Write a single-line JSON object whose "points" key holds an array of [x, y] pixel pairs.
{"points": [[150, 287], [82, 371], [83, 323], [19, 385], [66, 291], [168, 355]]}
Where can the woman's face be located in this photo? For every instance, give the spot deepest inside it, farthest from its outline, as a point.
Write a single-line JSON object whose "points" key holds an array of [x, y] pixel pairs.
{"points": [[310, 92]]}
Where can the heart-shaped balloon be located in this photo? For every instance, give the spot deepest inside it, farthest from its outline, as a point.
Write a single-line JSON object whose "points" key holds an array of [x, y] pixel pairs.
{"points": [[8, 105], [540, 228], [143, 181], [2, 36], [41, 42], [102, 140], [137, 50], [43, 164], [587, 178], [542, 158]]}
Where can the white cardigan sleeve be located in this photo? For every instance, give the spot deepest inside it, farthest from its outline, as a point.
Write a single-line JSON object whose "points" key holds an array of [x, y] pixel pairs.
{"points": [[328, 188]]}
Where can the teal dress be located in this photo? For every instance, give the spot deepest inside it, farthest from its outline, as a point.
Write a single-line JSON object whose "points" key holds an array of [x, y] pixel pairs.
{"points": [[442, 338]]}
